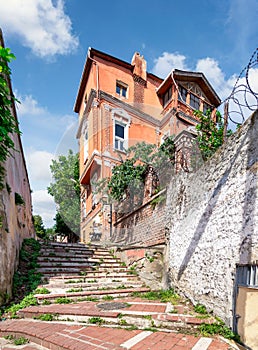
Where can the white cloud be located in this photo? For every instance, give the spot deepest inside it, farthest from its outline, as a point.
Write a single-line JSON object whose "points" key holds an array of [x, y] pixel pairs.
{"points": [[41, 26], [216, 77], [209, 66], [43, 205], [38, 163], [168, 61], [41, 129], [243, 101], [28, 106]]}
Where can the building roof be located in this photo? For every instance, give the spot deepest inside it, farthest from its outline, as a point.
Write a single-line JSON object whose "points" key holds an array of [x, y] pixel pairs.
{"points": [[93, 53], [177, 75], [197, 77]]}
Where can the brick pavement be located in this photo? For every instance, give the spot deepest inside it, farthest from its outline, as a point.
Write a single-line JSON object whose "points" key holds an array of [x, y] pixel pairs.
{"points": [[64, 336], [124, 318]]}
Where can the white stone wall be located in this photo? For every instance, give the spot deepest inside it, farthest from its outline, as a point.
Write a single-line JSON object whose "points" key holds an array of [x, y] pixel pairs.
{"points": [[212, 222]]}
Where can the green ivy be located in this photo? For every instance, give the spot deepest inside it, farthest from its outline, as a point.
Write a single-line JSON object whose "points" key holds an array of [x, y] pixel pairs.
{"points": [[123, 175], [129, 176], [8, 123], [19, 199], [210, 133]]}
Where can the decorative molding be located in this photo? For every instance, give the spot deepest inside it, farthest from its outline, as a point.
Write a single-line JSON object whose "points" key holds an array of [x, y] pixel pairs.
{"points": [[121, 115], [139, 80], [107, 107]]}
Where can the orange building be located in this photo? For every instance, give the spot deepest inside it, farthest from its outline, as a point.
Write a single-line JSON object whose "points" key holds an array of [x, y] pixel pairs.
{"points": [[120, 104]]}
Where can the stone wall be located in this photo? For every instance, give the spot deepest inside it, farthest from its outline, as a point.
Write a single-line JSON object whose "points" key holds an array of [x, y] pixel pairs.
{"points": [[15, 220], [212, 220]]}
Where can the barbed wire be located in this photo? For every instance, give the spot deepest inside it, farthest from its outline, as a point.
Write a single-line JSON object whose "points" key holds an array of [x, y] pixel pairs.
{"points": [[244, 96]]}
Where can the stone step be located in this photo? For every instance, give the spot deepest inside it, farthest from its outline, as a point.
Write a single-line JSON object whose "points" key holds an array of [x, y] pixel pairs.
{"points": [[63, 258], [92, 294], [80, 268], [64, 244], [107, 260], [91, 285], [58, 266], [67, 336], [67, 264], [67, 280], [119, 312], [52, 252], [98, 253]]}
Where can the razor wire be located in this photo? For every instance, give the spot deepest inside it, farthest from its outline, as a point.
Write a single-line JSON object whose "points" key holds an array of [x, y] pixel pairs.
{"points": [[244, 96]]}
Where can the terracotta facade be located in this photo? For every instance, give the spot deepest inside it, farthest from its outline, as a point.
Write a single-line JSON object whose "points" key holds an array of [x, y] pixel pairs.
{"points": [[120, 104]]}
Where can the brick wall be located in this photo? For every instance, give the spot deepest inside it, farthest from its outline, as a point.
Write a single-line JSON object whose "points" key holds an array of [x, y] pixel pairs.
{"points": [[142, 227], [139, 240]]}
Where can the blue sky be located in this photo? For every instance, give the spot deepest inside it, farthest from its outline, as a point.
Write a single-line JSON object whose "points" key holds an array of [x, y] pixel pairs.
{"points": [[50, 40]]}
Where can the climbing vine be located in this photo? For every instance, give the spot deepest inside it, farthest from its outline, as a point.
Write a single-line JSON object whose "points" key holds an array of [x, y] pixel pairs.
{"points": [[129, 176], [210, 133], [123, 175], [8, 123]]}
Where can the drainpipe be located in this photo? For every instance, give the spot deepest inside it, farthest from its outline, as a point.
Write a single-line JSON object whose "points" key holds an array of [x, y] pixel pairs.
{"points": [[97, 73], [110, 219], [100, 119]]}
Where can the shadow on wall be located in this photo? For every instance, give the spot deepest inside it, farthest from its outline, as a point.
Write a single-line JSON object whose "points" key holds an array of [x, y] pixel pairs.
{"points": [[208, 212]]}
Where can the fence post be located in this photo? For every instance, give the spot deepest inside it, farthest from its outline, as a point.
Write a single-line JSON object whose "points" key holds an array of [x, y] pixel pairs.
{"points": [[225, 120]]}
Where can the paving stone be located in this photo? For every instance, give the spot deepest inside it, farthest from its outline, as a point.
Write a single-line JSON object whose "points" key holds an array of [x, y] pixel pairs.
{"points": [[112, 306], [57, 335]]}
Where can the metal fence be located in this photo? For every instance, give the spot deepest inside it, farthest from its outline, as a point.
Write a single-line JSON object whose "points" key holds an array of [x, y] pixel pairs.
{"points": [[244, 97]]}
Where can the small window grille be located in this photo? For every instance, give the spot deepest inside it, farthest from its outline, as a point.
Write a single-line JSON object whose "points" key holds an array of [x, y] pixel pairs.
{"points": [[247, 275]]}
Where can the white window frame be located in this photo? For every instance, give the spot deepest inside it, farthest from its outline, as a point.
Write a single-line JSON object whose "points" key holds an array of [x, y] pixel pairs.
{"points": [[86, 146], [120, 117], [84, 206], [93, 180], [85, 133], [122, 86], [121, 142]]}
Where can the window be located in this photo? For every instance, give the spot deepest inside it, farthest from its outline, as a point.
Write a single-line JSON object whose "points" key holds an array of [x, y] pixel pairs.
{"points": [[182, 94], [93, 183], [119, 136], [167, 96], [121, 124], [206, 107], [247, 275], [194, 101], [83, 206], [86, 146], [121, 89]]}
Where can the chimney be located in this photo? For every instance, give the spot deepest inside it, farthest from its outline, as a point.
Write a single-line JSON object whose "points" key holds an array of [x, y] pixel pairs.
{"points": [[140, 66]]}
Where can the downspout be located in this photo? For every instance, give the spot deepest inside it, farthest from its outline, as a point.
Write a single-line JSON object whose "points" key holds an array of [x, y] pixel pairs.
{"points": [[98, 100], [97, 73], [99, 115]]}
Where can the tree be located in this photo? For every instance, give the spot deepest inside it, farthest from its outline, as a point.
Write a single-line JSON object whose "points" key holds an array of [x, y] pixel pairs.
{"points": [[8, 123], [210, 133], [50, 233], [128, 177], [39, 226], [66, 190], [63, 230]]}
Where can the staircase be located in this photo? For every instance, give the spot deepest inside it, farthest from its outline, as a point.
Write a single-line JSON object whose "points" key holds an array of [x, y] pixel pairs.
{"points": [[93, 299]]}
